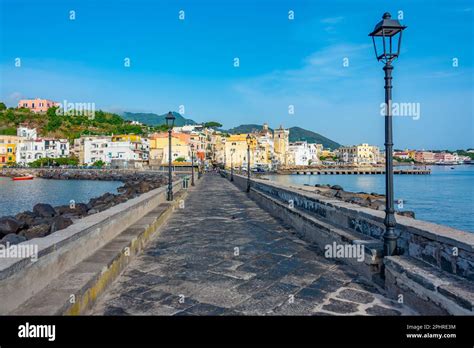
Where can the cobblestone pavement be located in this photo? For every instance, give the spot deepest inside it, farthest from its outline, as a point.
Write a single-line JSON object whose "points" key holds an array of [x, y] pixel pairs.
{"points": [[223, 255]]}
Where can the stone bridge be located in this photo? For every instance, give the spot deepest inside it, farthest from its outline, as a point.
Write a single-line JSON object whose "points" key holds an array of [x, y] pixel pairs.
{"points": [[221, 254], [218, 250]]}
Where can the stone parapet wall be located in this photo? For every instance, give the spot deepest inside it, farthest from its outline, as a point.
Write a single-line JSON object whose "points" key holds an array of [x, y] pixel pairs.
{"points": [[443, 247]]}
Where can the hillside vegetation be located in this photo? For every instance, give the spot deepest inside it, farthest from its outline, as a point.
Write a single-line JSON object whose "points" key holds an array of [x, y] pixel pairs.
{"points": [[68, 127]]}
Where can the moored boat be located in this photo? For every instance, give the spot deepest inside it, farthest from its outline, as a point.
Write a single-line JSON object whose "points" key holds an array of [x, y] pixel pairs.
{"points": [[19, 178]]}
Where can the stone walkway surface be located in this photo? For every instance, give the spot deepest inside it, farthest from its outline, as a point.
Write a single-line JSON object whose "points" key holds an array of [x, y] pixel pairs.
{"points": [[223, 255]]}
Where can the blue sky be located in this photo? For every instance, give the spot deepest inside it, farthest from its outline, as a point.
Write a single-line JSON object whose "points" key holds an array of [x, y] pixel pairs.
{"points": [[282, 62]]}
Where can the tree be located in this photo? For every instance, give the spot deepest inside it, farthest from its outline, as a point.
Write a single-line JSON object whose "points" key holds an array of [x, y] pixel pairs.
{"points": [[98, 163], [180, 159], [2, 106], [212, 124]]}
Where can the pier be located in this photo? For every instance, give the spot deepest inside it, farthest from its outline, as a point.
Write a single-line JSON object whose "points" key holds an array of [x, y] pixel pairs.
{"points": [[354, 171], [219, 250]]}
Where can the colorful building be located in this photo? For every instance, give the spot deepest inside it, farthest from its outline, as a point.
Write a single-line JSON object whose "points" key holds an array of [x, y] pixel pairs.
{"points": [[363, 154], [37, 104], [8, 148], [159, 147], [281, 142], [425, 157]]}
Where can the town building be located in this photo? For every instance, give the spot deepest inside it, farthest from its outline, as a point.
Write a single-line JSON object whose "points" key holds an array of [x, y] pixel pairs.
{"points": [[425, 157], [445, 157], [315, 151], [281, 141], [236, 151], [26, 132], [159, 148], [37, 104], [30, 150], [299, 153], [363, 154], [8, 149]]}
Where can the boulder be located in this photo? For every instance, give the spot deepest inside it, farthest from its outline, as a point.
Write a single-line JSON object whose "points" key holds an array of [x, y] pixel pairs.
{"points": [[44, 210], [37, 231], [377, 204], [9, 224], [12, 238], [26, 218], [59, 223], [80, 209], [359, 200], [337, 187], [407, 213]]}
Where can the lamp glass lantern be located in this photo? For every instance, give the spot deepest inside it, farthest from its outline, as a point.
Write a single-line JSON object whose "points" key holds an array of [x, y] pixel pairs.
{"points": [[387, 38], [170, 118]]}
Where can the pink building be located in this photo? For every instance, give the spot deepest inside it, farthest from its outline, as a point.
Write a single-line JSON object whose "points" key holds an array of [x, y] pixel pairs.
{"points": [[445, 157], [37, 105], [424, 157]]}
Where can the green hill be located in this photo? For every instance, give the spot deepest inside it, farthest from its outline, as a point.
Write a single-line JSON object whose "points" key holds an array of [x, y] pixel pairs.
{"points": [[300, 134], [296, 134], [155, 119], [68, 127]]}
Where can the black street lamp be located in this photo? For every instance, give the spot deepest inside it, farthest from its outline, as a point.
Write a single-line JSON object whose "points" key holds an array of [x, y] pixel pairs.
{"points": [[232, 164], [388, 33], [170, 124], [192, 164], [249, 141]]}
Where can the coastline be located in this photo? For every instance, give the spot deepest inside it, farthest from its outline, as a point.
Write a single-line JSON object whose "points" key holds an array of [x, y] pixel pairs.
{"points": [[45, 219]]}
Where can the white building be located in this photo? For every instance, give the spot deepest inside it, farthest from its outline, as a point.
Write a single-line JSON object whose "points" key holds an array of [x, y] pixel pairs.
{"points": [[94, 149], [27, 133], [315, 151], [299, 153], [30, 150], [121, 150]]}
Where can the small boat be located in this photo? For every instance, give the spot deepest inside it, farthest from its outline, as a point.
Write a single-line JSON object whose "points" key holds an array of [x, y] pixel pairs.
{"points": [[18, 178]]}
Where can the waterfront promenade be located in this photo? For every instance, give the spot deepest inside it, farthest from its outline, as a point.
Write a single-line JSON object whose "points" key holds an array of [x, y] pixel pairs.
{"points": [[220, 254]]}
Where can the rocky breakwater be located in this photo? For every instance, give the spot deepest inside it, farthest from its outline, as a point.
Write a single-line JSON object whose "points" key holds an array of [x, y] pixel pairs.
{"points": [[45, 219], [369, 200]]}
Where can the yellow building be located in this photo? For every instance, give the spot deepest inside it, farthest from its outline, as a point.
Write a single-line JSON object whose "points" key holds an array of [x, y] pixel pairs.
{"points": [[8, 144], [281, 143], [363, 154], [133, 138], [411, 154], [236, 150], [159, 148]]}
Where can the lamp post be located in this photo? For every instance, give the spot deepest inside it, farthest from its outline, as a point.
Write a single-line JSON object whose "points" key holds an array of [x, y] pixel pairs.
{"points": [[388, 33], [170, 123], [249, 141], [232, 164], [192, 164]]}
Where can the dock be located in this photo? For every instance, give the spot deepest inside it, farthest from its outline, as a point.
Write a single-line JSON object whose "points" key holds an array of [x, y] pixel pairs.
{"points": [[354, 171]]}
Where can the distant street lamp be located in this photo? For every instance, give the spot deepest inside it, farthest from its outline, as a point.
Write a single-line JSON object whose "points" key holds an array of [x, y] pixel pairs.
{"points": [[192, 164], [232, 164], [249, 141], [170, 124], [388, 33]]}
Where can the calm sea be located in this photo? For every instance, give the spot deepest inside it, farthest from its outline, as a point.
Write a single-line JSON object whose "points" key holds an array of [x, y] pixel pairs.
{"points": [[18, 196], [445, 197]]}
